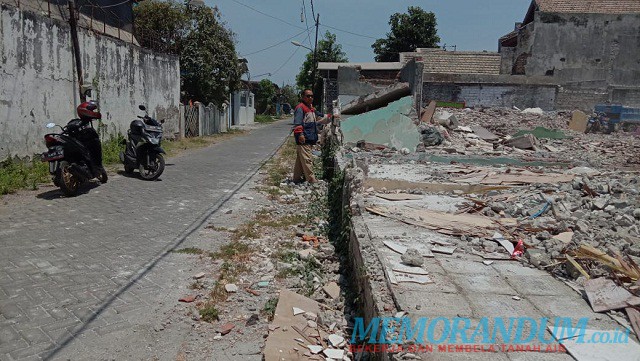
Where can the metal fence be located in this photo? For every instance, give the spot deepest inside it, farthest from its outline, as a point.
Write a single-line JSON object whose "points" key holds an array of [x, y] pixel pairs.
{"points": [[200, 120]]}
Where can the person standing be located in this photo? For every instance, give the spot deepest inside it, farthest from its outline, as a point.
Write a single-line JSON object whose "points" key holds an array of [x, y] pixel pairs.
{"points": [[305, 131]]}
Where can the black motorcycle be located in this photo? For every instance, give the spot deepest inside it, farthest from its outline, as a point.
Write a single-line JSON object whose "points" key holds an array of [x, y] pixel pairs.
{"points": [[143, 149], [70, 157]]}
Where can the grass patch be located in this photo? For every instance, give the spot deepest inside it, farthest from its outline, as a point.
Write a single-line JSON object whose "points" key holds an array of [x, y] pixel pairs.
{"points": [[196, 285], [189, 250], [279, 167], [233, 250], [269, 308], [260, 118], [209, 313], [15, 174], [286, 256], [111, 149]]}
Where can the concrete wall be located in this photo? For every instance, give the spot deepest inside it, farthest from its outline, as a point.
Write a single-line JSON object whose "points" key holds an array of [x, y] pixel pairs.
{"points": [[244, 111], [594, 57], [38, 80], [595, 47]]}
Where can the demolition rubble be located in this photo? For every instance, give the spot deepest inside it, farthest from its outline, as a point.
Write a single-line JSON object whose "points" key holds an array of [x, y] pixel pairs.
{"points": [[498, 187]]}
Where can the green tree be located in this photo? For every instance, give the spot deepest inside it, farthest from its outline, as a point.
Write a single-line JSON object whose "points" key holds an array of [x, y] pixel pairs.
{"points": [[290, 95], [265, 93], [160, 25], [417, 29], [328, 50], [208, 60]]}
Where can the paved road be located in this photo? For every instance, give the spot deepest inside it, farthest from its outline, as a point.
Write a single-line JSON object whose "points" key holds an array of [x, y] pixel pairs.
{"points": [[73, 268]]}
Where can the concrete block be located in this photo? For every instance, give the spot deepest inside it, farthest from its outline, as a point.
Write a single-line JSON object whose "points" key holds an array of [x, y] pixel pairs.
{"points": [[434, 304]]}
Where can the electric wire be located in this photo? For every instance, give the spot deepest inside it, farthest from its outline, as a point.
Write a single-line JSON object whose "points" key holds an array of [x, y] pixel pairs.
{"points": [[265, 14], [286, 61], [304, 11], [346, 31], [274, 45], [113, 5]]}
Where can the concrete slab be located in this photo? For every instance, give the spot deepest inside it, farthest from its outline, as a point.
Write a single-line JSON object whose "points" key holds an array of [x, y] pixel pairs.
{"points": [[434, 304], [479, 283], [515, 268], [443, 284], [490, 305], [467, 265], [572, 306], [540, 285]]}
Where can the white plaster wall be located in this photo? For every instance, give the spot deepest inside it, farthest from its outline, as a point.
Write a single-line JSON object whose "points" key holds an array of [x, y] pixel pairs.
{"points": [[37, 80]]}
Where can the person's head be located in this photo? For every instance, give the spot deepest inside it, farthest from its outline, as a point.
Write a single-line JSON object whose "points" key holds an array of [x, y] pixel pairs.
{"points": [[307, 96]]}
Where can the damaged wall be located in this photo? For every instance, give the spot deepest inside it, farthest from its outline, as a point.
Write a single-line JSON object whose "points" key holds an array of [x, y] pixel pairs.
{"points": [[490, 90], [390, 126], [38, 85], [585, 53]]}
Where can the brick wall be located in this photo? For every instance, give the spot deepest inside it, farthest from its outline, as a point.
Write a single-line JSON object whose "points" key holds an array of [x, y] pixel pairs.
{"points": [[492, 95]]}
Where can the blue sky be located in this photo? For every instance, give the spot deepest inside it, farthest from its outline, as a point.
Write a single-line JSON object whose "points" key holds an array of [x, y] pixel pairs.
{"points": [[468, 24]]}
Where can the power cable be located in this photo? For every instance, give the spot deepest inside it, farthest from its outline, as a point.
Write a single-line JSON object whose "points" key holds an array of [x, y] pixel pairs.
{"points": [[114, 5], [265, 14], [304, 11], [274, 45], [286, 61], [347, 31]]}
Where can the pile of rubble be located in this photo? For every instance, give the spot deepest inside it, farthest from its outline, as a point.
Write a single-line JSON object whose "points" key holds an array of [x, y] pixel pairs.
{"points": [[569, 201]]}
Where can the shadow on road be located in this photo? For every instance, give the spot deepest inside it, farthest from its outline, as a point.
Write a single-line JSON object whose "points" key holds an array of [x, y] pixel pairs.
{"points": [[57, 193]]}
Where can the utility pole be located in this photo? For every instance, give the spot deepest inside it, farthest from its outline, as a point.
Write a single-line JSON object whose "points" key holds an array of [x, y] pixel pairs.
{"points": [[76, 47], [315, 51]]}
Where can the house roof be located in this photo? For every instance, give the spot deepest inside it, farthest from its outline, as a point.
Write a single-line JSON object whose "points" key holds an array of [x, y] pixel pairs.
{"points": [[458, 62], [589, 6], [362, 66]]}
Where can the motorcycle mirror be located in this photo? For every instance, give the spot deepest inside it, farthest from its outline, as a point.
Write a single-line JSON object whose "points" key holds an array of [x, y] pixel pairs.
{"points": [[142, 107], [50, 125], [162, 121]]}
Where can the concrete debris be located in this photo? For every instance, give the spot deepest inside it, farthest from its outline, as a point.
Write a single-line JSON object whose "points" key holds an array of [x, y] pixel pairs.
{"points": [[579, 121], [412, 257], [390, 126], [332, 290], [604, 295], [431, 136], [527, 141], [231, 288], [199, 275], [536, 111], [581, 350]]}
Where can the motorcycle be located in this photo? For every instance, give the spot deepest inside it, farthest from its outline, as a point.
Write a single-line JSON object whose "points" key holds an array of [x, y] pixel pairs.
{"points": [[142, 147], [75, 155]]}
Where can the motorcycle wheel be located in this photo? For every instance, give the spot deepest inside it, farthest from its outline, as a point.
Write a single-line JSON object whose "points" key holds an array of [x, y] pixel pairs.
{"points": [[154, 169], [67, 181], [103, 177]]}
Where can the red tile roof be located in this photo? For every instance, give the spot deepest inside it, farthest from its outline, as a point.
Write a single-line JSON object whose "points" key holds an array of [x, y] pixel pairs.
{"points": [[589, 6]]}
